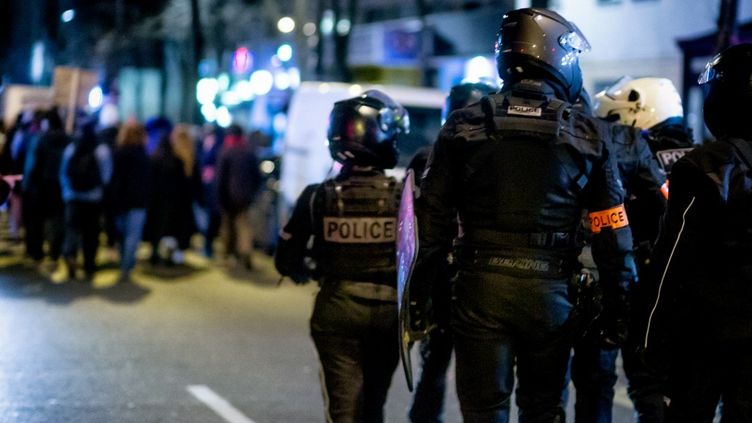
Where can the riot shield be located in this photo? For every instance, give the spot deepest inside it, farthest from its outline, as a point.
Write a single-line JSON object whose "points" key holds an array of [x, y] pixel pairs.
{"points": [[407, 252]]}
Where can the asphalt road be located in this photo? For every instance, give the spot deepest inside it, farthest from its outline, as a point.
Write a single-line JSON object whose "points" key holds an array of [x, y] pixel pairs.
{"points": [[194, 343]]}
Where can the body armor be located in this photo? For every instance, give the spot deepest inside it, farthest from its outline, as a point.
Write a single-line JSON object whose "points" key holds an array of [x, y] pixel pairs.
{"points": [[355, 239]]}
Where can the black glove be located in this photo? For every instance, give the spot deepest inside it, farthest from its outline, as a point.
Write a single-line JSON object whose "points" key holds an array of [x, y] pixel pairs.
{"points": [[611, 326]]}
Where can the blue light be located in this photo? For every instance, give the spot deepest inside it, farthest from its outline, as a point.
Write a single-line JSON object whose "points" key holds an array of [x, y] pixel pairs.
{"points": [[284, 52], [68, 15]]}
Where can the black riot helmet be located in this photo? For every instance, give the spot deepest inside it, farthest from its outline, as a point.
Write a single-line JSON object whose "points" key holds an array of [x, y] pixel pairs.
{"points": [[727, 80], [464, 94], [363, 130], [540, 44]]}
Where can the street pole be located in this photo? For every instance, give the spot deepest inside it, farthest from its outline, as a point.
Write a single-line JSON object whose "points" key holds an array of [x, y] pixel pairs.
{"points": [[196, 52], [727, 24]]}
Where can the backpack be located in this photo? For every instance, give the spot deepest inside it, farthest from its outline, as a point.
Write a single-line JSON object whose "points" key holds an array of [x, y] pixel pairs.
{"points": [[83, 169]]}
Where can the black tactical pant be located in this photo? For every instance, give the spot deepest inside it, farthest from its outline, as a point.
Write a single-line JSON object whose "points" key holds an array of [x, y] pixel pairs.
{"points": [[428, 401], [500, 321], [707, 373], [594, 376], [356, 339]]}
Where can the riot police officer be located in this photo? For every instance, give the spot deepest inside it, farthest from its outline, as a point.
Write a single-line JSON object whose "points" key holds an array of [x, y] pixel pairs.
{"points": [[436, 349], [700, 325], [519, 169], [655, 107], [647, 112], [351, 219]]}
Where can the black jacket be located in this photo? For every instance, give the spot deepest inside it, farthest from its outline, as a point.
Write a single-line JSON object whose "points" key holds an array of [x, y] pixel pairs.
{"points": [[130, 187], [523, 163], [704, 254]]}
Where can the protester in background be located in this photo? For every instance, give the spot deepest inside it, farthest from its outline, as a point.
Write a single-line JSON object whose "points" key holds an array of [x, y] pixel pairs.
{"points": [[188, 191], [43, 196], [107, 132], [130, 191], [158, 129], [12, 162], [238, 181], [161, 221], [209, 152], [85, 171]]}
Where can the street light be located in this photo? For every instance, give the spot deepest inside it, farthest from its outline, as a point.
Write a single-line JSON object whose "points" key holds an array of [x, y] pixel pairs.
{"points": [[286, 25]]}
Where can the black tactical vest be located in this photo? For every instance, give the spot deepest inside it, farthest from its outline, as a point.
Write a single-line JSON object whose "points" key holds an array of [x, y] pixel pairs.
{"points": [[526, 171], [357, 229]]}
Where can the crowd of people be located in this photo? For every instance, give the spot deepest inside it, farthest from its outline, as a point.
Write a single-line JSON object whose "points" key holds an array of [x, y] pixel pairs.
{"points": [[549, 240], [155, 182]]}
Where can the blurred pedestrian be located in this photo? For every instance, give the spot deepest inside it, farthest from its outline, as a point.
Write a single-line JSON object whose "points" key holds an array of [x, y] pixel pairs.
{"points": [[107, 131], [238, 181], [189, 192], [12, 162], [42, 191], [85, 171], [170, 213], [211, 144], [130, 190]]}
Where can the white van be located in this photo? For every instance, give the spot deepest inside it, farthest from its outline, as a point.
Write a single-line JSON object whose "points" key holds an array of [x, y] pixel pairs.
{"points": [[305, 157]]}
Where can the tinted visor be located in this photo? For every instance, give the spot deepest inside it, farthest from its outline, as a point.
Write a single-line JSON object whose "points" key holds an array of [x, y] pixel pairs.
{"points": [[575, 39]]}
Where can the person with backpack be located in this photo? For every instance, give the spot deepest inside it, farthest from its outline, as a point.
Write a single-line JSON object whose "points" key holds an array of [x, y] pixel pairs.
{"points": [[699, 329], [85, 170], [42, 190]]}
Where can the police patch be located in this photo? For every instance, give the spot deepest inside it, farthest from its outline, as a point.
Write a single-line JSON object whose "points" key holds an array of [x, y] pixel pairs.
{"points": [[360, 230], [525, 111], [667, 158], [614, 218]]}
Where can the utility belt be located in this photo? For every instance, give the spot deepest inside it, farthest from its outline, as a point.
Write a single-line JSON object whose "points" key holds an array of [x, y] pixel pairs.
{"points": [[362, 289], [515, 263], [521, 239]]}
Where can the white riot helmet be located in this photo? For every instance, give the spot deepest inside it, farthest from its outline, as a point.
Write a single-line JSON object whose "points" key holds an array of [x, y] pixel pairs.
{"points": [[641, 102]]}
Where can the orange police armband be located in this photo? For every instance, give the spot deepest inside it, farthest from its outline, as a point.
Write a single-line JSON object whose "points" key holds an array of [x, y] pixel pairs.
{"points": [[664, 190], [614, 218]]}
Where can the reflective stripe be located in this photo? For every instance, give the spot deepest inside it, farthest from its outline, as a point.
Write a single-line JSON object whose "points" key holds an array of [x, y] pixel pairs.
{"points": [[665, 271], [614, 218]]}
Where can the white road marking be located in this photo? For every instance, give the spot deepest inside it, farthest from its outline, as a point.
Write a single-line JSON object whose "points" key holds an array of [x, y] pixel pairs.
{"points": [[220, 405]]}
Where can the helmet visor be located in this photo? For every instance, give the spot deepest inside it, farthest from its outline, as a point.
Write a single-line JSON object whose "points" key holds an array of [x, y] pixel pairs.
{"points": [[396, 121], [574, 39], [709, 73]]}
